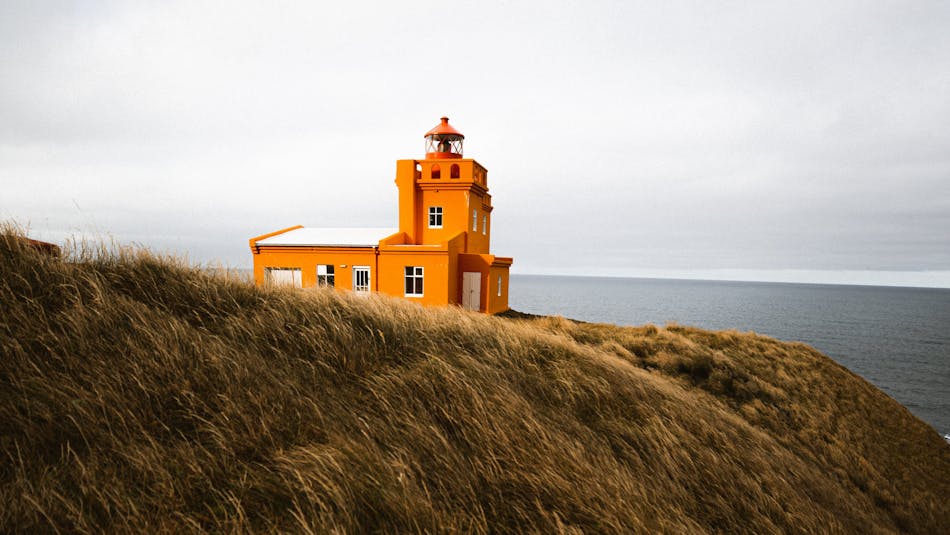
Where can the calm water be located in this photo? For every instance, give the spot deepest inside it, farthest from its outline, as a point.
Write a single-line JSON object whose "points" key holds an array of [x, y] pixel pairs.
{"points": [[896, 338]]}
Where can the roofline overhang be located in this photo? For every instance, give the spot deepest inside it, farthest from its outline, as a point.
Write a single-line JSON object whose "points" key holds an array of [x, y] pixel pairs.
{"points": [[255, 249]]}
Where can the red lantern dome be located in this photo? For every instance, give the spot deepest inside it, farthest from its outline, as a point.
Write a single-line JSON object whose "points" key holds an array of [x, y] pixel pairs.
{"points": [[443, 141]]}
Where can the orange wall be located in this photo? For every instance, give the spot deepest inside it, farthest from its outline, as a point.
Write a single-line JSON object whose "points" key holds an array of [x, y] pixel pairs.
{"points": [[497, 303], [458, 197], [469, 170], [406, 176], [387, 269], [440, 265], [435, 275], [478, 242], [490, 268], [454, 210], [307, 259]]}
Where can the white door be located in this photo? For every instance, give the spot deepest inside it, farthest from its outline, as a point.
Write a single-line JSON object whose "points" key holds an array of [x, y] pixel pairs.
{"points": [[361, 279], [471, 290]]}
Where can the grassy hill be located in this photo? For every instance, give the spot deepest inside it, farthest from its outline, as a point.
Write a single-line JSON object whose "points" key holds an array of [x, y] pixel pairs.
{"points": [[139, 394]]}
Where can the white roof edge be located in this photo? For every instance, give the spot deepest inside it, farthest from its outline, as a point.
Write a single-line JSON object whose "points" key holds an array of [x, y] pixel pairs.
{"points": [[329, 237]]}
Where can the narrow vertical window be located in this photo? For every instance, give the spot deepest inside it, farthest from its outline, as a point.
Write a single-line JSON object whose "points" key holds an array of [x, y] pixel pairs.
{"points": [[325, 276], [474, 220], [454, 171], [484, 224], [361, 279], [435, 217], [499, 286], [436, 171], [414, 281]]}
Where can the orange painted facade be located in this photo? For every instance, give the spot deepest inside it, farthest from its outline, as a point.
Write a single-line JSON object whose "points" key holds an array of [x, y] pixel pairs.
{"points": [[439, 255]]}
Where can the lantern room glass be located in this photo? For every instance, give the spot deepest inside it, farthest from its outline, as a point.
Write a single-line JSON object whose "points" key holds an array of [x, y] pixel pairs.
{"points": [[444, 143]]}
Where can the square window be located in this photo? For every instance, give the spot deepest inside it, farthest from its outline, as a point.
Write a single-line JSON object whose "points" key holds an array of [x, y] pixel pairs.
{"points": [[325, 276], [435, 217]]}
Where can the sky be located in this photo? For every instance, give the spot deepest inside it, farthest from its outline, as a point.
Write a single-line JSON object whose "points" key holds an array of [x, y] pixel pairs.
{"points": [[789, 141]]}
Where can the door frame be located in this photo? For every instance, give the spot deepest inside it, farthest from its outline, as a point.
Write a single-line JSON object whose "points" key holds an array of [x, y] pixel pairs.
{"points": [[472, 282]]}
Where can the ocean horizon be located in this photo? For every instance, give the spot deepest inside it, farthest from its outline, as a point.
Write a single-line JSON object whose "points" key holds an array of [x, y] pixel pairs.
{"points": [[939, 279], [894, 337]]}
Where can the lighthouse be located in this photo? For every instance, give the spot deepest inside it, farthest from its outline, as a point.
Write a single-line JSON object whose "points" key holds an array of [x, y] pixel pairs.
{"points": [[438, 255]]}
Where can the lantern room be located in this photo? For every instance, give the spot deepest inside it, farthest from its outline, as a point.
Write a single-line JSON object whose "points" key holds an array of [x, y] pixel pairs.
{"points": [[443, 141]]}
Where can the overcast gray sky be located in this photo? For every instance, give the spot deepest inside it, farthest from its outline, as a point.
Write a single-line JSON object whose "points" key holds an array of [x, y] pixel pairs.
{"points": [[750, 140]]}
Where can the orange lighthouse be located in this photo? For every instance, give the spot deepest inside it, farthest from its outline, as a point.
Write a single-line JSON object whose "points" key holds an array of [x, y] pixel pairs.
{"points": [[439, 255]]}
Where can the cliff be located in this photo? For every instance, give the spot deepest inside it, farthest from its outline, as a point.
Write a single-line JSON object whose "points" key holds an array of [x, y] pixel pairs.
{"points": [[140, 394]]}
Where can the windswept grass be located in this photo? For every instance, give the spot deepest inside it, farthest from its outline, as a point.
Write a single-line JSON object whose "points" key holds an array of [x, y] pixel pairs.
{"points": [[140, 394]]}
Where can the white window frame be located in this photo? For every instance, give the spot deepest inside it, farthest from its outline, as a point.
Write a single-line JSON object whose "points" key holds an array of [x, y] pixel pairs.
{"points": [[369, 280], [296, 277], [474, 220], [484, 224], [435, 213], [416, 274], [499, 285], [326, 276]]}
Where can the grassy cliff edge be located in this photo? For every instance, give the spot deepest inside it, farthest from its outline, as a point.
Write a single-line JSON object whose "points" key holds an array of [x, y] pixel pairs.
{"points": [[140, 394]]}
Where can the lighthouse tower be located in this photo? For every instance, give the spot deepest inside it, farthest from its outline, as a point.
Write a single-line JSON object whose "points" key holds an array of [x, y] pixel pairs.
{"points": [[444, 194]]}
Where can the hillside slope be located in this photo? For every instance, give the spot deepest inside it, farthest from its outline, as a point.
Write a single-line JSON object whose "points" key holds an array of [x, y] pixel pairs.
{"points": [[137, 394]]}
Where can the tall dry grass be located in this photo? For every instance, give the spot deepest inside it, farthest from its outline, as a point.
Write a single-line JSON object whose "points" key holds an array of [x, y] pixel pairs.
{"points": [[140, 394]]}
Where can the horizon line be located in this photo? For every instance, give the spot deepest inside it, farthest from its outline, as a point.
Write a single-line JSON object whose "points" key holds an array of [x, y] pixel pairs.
{"points": [[924, 279]]}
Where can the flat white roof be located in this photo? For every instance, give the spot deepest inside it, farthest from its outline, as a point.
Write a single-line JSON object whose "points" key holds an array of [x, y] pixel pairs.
{"points": [[339, 237]]}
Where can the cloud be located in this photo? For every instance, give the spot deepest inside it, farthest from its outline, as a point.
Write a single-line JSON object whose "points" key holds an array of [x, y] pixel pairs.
{"points": [[672, 136]]}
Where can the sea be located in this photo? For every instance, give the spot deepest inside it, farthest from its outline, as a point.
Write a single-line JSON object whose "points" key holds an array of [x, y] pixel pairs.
{"points": [[896, 338]]}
